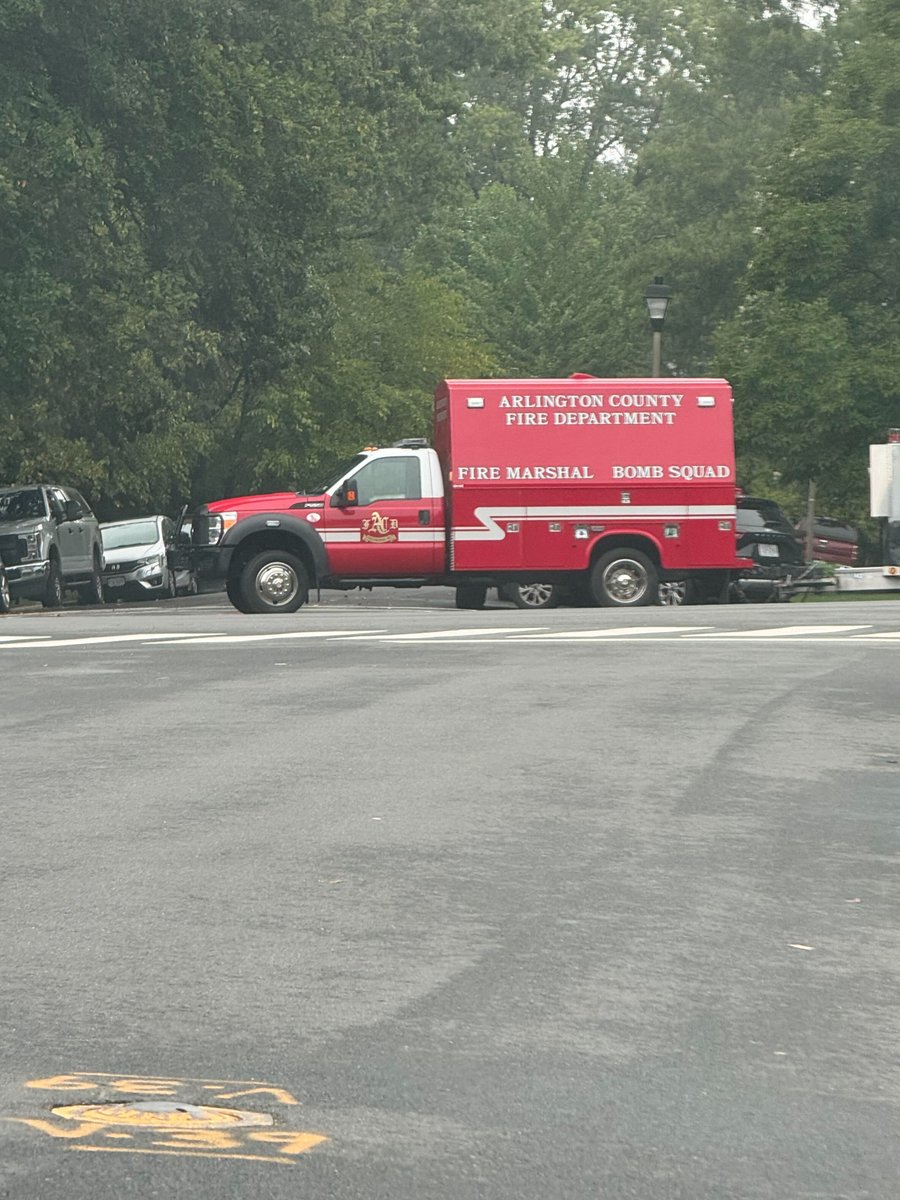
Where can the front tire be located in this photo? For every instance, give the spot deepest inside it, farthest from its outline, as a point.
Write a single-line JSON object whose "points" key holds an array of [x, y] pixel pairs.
{"points": [[5, 594], [624, 578], [273, 581]]}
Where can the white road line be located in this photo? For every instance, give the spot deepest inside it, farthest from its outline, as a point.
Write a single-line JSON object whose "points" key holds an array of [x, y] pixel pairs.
{"points": [[23, 637], [585, 635], [220, 639], [92, 641], [785, 631], [863, 637], [447, 634]]}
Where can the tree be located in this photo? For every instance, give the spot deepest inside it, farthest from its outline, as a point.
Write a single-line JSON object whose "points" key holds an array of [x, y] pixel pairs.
{"points": [[815, 351]]}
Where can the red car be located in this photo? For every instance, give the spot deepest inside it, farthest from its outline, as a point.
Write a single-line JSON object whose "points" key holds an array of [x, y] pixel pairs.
{"points": [[833, 541]]}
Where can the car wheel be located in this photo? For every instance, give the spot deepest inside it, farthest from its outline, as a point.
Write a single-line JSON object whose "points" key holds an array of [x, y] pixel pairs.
{"points": [[672, 593], [92, 593], [53, 589], [273, 581], [233, 592], [533, 595], [170, 591], [471, 595], [624, 579], [5, 596]]}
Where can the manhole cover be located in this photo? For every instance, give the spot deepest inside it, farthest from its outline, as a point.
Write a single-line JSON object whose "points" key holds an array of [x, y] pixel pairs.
{"points": [[160, 1114]]}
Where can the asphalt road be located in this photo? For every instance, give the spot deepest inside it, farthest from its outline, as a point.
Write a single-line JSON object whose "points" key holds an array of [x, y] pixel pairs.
{"points": [[496, 905]]}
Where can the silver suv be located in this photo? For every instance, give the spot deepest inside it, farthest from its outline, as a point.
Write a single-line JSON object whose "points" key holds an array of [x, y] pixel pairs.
{"points": [[49, 541]]}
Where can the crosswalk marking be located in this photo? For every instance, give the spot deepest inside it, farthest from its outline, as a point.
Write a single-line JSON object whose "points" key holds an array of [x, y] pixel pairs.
{"points": [[44, 643], [787, 631], [218, 639], [583, 635], [478, 636], [447, 634]]}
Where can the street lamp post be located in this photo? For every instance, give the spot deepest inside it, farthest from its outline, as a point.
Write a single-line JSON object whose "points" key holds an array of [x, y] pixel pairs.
{"points": [[657, 296]]}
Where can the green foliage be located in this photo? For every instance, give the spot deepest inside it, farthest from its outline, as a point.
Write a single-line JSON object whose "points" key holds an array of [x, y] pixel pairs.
{"points": [[242, 238], [815, 351]]}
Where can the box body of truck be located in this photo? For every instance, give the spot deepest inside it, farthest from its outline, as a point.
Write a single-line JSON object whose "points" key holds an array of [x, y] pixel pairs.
{"points": [[540, 472]]}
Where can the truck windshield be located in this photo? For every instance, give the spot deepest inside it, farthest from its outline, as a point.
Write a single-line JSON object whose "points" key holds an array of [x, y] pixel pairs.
{"points": [[335, 475], [17, 504]]}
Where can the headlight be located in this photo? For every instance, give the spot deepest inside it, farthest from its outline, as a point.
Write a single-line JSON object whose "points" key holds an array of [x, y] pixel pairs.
{"points": [[151, 564], [218, 525], [31, 544]]}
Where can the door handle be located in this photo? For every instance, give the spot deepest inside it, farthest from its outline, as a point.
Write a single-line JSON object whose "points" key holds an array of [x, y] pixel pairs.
{"points": [[424, 516]]}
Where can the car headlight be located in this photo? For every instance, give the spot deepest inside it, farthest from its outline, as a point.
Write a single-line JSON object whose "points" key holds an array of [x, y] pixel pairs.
{"points": [[218, 525], [151, 564], [31, 545]]}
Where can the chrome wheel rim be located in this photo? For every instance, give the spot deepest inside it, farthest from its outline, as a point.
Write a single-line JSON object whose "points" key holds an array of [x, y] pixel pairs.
{"points": [[625, 581], [277, 584], [535, 595], [673, 593]]}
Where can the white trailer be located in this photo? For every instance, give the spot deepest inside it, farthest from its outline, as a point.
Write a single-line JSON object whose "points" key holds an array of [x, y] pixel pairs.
{"points": [[884, 502]]}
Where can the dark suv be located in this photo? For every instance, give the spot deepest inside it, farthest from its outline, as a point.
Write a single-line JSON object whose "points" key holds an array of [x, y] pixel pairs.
{"points": [[766, 538], [50, 540]]}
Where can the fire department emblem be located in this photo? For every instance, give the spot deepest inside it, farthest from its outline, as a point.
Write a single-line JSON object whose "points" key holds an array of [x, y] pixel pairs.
{"points": [[380, 529]]}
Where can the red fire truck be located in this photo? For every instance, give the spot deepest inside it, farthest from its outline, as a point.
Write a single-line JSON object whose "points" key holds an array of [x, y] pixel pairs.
{"points": [[606, 487]]}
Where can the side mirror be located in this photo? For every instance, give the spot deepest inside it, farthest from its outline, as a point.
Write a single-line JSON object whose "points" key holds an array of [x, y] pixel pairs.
{"points": [[346, 496], [73, 510]]}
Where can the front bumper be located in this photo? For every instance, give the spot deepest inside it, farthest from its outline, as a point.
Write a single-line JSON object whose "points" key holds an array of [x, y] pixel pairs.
{"points": [[212, 562], [28, 579], [134, 582]]}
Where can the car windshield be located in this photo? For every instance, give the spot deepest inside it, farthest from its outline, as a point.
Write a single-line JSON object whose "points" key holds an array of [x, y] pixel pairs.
{"points": [[136, 533], [762, 515], [338, 473], [17, 504]]}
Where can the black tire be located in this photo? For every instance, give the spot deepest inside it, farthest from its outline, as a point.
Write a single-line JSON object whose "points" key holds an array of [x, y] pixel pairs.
{"points": [[170, 591], [624, 578], [53, 589], [5, 596], [273, 582], [92, 592], [471, 595], [233, 592], [533, 595]]}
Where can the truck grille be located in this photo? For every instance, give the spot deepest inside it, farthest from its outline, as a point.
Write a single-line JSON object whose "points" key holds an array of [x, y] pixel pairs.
{"points": [[12, 550]]}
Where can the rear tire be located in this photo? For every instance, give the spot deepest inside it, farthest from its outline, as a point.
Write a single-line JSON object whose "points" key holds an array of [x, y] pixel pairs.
{"points": [[92, 593], [471, 595], [53, 588], [273, 582], [624, 578]]}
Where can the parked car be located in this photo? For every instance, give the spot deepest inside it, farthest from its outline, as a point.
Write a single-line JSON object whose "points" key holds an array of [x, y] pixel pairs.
{"points": [[766, 538], [137, 559], [833, 540], [49, 541]]}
